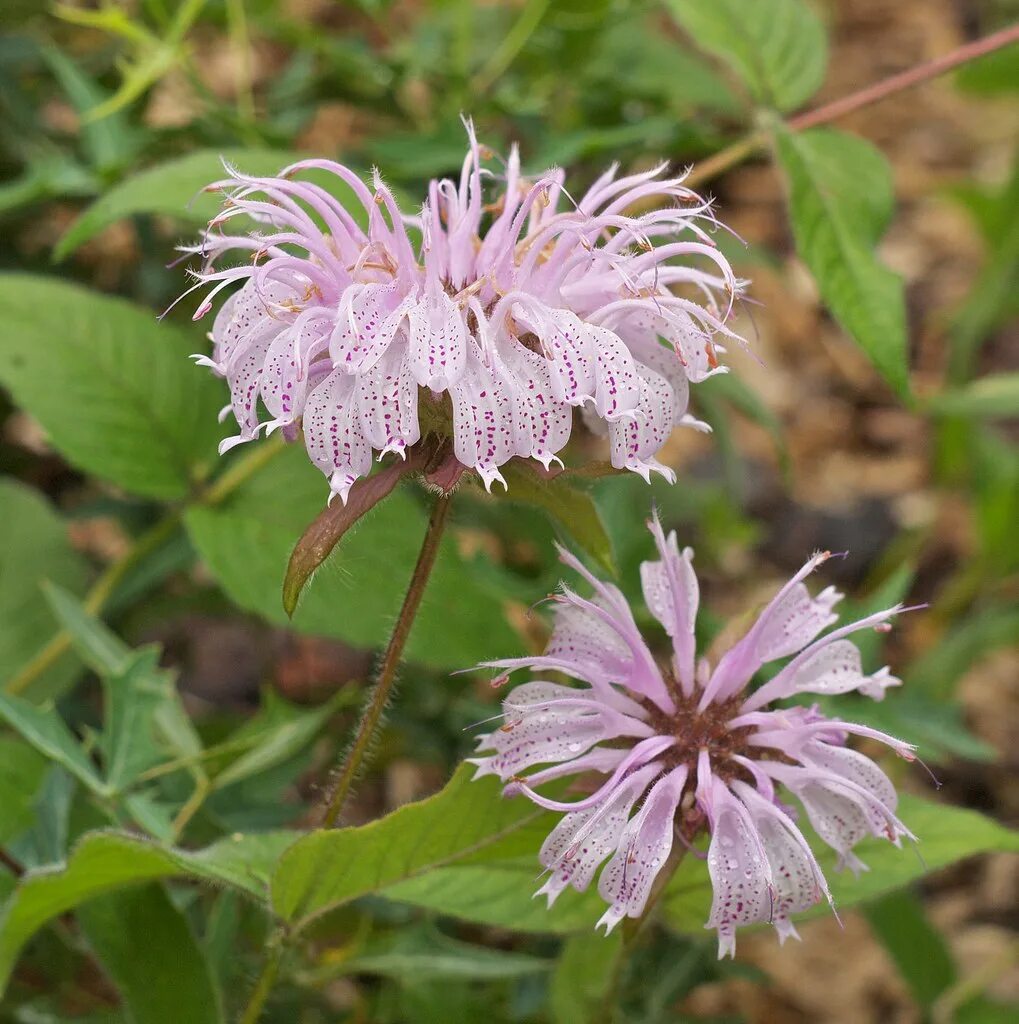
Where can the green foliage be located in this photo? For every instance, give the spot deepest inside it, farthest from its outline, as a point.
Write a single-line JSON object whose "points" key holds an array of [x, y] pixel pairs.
{"points": [[145, 944], [21, 773], [840, 200], [992, 397], [427, 955], [111, 386], [583, 976], [165, 838], [573, 510], [246, 542], [33, 547], [777, 48], [919, 951], [174, 188], [463, 851], [104, 862]]}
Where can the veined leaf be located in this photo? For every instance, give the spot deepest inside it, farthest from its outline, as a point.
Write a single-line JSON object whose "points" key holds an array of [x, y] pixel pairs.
{"points": [[112, 387], [106, 861], [464, 851], [246, 541], [163, 979], [175, 189], [778, 48], [569, 507], [33, 547], [840, 198], [45, 730]]}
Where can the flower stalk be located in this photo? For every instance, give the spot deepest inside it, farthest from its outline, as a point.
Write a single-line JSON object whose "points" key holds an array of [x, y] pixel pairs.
{"points": [[381, 692]]}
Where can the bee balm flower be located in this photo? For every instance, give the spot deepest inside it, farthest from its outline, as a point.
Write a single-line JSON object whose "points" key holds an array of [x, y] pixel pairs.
{"points": [[688, 747], [503, 316]]}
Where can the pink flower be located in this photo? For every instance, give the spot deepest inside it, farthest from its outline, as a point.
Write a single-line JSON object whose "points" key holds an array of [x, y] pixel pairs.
{"points": [[503, 317], [689, 747]]}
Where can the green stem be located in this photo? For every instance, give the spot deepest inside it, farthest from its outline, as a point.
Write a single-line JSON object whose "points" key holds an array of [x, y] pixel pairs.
{"points": [[739, 151], [633, 929], [266, 979], [512, 43], [378, 699]]}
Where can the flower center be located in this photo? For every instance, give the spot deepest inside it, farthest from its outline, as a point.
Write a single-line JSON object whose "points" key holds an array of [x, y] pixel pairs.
{"points": [[696, 730]]}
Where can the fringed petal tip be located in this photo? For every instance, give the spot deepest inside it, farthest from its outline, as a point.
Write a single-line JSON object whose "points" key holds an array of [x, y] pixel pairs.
{"points": [[340, 484]]}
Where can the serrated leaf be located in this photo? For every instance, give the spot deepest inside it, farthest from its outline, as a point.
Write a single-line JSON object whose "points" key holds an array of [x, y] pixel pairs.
{"points": [[947, 834], [110, 384], [34, 546], [569, 507], [106, 861], [778, 48], [454, 852], [163, 979], [44, 729], [246, 542], [840, 198]]}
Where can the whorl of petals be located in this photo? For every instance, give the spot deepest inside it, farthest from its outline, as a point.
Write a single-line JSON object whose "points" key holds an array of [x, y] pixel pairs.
{"points": [[684, 749], [504, 316]]}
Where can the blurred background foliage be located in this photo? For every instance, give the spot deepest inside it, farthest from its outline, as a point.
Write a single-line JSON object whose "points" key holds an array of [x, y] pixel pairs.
{"points": [[876, 412]]}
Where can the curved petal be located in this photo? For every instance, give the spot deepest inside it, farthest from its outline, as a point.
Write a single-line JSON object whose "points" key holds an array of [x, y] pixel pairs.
{"points": [[644, 847]]}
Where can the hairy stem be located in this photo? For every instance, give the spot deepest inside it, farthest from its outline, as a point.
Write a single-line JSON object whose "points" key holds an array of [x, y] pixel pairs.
{"points": [[378, 699], [266, 979], [739, 151]]}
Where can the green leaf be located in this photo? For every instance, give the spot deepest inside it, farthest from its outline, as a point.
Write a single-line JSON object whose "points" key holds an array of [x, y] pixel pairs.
{"points": [[840, 199], [947, 834], [992, 397], [918, 949], [175, 189], [133, 697], [584, 975], [110, 384], [45, 730], [465, 851], [501, 892], [33, 547], [106, 861], [280, 731], [991, 75], [425, 954], [21, 773], [778, 48], [100, 648], [569, 507], [109, 143], [247, 539], [146, 945]]}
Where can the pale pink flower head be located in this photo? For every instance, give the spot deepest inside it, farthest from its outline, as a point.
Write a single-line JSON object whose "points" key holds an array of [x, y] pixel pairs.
{"points": [[488, 316], [687, 747]]}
